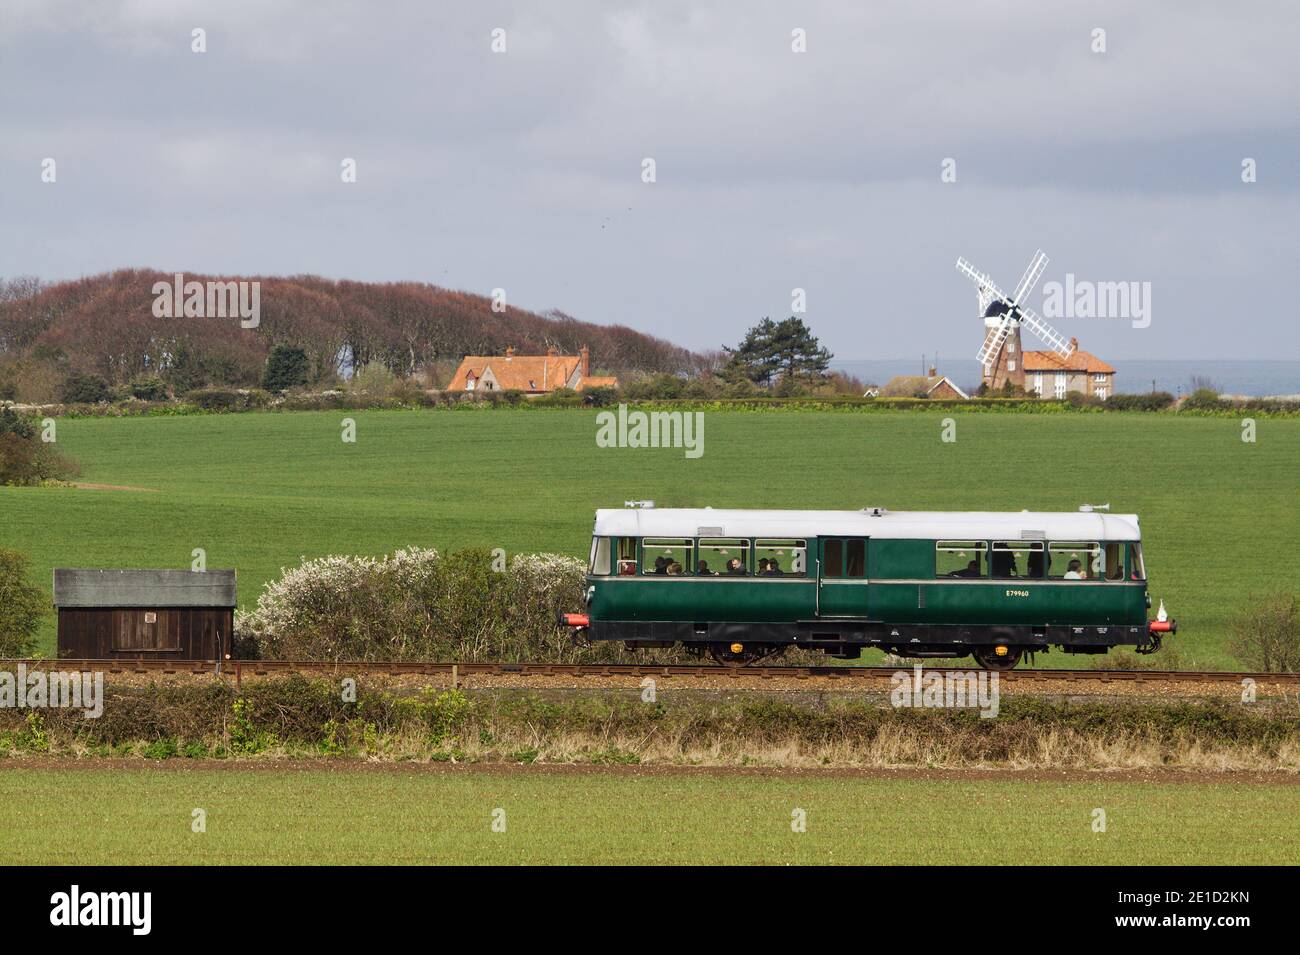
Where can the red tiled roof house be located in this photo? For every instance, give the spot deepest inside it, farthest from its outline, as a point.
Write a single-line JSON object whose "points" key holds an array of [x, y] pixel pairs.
{"points": [[531, 374], [1051, 375]]}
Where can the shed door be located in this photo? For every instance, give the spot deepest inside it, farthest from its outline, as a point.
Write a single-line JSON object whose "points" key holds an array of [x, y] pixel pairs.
{"points": [[146, 631]]}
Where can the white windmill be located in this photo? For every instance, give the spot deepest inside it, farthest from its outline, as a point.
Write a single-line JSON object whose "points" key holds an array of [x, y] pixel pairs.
{"points": [[1000, 355]]}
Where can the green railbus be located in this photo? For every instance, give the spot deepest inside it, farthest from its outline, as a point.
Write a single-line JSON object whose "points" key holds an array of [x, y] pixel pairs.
{"points": [[741, 585]]}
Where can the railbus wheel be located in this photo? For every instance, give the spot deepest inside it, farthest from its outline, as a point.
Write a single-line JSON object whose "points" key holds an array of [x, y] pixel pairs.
{"points": [[740, 654], [990, 659]]}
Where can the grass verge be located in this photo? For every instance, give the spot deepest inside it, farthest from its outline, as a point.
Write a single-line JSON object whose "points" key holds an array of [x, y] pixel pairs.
{"points": [[85, 815]]}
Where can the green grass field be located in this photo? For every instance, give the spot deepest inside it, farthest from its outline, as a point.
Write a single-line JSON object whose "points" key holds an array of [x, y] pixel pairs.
{"points": [[359, 816], [1220, 517]]}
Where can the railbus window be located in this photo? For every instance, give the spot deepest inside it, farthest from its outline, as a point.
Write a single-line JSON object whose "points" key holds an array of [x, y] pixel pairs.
{"points": [[667, 557], [832, 557], [855, 557], [844, 557], [1136, 569], [1016, 559], [781, 558], [1073, 560], [1115, 561], [600, 556], [723, 557], [626, 556], [959, 559]]}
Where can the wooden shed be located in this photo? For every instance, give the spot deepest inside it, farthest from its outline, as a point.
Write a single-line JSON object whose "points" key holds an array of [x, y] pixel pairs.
{"points": [[179, 614]]}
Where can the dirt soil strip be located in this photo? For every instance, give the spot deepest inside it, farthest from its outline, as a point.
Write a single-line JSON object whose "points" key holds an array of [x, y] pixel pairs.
{"points": [[355, 765]]}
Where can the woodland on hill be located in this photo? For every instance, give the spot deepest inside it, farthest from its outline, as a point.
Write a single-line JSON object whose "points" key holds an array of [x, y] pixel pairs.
{"points": [[105, 326]]}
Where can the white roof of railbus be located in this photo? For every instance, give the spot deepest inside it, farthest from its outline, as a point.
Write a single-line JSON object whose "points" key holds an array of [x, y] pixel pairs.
{"points": [[924, 525]]}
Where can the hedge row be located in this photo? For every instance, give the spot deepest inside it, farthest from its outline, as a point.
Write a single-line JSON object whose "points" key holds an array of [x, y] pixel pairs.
{"points": [[300, 716], [470, 605], [220, 400]]}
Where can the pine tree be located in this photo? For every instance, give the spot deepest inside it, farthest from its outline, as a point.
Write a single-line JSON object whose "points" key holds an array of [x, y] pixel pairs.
{"points": [[286, 367], [786, 349]]}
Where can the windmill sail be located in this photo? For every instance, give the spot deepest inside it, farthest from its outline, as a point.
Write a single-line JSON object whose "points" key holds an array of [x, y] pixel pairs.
{"points": [[1046, 332], [1014, 310], [1031, 276], [994, 340], [988, 288]]}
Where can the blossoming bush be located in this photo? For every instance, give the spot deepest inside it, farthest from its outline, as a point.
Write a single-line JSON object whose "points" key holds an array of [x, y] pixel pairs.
{"points": [[419, 605]]}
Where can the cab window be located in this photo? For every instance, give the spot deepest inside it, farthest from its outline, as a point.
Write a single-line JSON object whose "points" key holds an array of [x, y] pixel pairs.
{"points": [[1016, 559], [780, 558], [960, 559], [1115, 561], [600, 556], [1136, 569], [722, 557], [666, 557], [626, 556], [1074, 560]]}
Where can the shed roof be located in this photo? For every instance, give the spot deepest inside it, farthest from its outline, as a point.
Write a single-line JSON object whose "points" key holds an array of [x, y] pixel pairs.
{"points": [[143, 588]]}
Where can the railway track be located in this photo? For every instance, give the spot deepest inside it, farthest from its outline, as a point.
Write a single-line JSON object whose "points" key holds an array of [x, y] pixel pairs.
{"points": [[237, 669]]}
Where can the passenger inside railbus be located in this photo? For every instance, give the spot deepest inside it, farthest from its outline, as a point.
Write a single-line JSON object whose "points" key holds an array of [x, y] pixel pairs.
{"points": [[703, 569], [1075, 571], [674, 569], [1003, 564], [1035, 563], [734, 568]]}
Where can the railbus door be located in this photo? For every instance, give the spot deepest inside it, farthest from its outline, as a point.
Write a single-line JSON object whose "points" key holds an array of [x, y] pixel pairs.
{"points": [[842, 577]]}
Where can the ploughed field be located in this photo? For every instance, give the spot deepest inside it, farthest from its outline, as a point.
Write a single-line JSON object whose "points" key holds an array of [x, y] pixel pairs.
{"points": [[309, 814], [1220, 517]]}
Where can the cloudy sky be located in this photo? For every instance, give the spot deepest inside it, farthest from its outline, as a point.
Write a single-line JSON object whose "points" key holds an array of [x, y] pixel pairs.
{"points": [[774, 169]]}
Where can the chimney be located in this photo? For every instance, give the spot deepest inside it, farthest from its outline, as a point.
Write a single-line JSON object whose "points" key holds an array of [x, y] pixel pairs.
{"points": [[510, 353], [1074, 344], [933, 371], [551, 352], [585, 364]]}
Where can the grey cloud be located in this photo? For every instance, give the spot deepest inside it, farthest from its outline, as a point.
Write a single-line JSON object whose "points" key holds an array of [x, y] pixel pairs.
{"points": [[775, 170]]}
